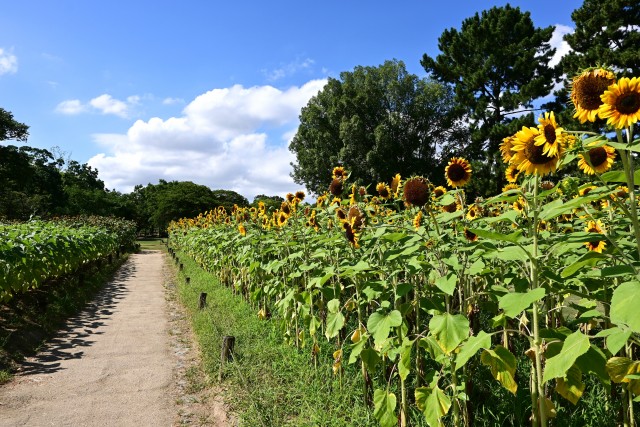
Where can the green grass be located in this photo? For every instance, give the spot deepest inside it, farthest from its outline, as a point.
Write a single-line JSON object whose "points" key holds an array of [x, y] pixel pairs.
{"points": [[269, 383], [152, 243], [29, 319]]}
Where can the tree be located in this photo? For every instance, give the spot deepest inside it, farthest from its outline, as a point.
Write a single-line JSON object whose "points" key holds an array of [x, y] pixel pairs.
{"points": [[11, 129], [606, 33], [271, 202], [498, 65], [227, 199], [376, 122]]}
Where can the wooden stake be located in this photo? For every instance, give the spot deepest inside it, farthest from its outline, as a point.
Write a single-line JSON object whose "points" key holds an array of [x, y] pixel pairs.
{"points": [[226, 353], [203, 300]]}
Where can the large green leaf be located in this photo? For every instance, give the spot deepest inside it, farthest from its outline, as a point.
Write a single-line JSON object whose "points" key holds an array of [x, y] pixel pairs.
{"points": [[380, 324], [335, 322], [449, 330], [588, 259], [385, 408], [447, 284], [514, 303], [574, 346], [620, 368], [433, 403], [471, 347], [492, 235], [571, 386], [404, 367], [370, 358], [624, 305], [503, 366]]}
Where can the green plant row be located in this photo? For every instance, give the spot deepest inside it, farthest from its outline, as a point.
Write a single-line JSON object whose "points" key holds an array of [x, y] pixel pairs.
{"points": [[36, 251]]}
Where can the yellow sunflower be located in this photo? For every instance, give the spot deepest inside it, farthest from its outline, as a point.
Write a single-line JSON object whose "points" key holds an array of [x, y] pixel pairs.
{"points": [[439, 191], [417, 220], [511, 186], [336, 187], [506, 148], [474, 211], [395, 184], [586, 89], [300, 195], [470, 236], [458, 172], [551, 135], [584, 191], [242, 230], [597, 159], [356, 217], [519, 205], [341, 214], [595, 227], [351, 235], [511, 174], [450, 208], [339, 172], [621, 103], [529, 157], [383, 190]]}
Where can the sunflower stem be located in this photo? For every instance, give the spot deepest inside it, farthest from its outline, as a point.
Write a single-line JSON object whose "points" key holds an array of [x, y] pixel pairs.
{"points": [[627, 163]]}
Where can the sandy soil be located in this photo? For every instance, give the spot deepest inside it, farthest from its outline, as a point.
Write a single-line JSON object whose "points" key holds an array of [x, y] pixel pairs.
{"points": [[122, 362]]}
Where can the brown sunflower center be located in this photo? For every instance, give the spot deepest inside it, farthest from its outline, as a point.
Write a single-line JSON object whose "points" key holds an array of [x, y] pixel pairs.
{"points": [[628, 103], [550, 134], [534, 154], [456, 172], [587, 90], [416, 191], [597, 156]]}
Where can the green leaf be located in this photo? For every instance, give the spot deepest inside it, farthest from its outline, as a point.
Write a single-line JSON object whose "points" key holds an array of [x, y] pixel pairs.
{"points": [[492, 235], [575, 345], [514, 303], [449, 330], [471, 347], [615, 339], [404, 367], [624, 305], [503, 366], [385, 408], [571, 386], [333, 306], [447, 284], [370, 358], [335, 322], [619, 368], [380, 324], [588, 259], [433, 403]]}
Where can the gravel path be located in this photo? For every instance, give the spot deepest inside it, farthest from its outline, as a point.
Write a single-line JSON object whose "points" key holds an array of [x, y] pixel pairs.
{"points": [[112, 365]]}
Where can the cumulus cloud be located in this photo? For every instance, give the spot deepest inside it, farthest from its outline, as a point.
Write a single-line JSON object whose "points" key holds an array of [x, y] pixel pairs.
{"points": [[104, 104], [8, 62], [233, 138], [557, 42]]}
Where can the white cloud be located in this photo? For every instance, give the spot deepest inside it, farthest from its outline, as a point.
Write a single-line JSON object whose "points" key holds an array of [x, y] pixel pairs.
{"points": [[171, 101], [8, 62], [288, 69], [71, 107], [104, 104], [561, 46], [232, 138]]}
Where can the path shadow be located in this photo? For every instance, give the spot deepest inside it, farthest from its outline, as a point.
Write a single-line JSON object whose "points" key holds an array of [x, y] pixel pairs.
{"points": [[79, 330]]}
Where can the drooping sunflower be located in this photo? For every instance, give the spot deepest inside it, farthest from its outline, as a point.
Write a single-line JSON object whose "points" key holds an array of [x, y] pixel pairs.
{"points": [[469, 235], [341, 214], [458, 172], [351, 235], [551, 135], [336, 187], [621, 103], [383, 190], [417, 220], [395, 184], [339, 172], [300, 195], [512, 173], [506, 148], [529, 157], [595, 227], [285, 207], [356, 217], [597, 159], [416, 191], [290, 197], [586, 90]]}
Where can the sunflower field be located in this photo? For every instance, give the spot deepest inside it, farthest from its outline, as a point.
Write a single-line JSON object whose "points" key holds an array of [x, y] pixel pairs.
{"points": [[425, 291]]}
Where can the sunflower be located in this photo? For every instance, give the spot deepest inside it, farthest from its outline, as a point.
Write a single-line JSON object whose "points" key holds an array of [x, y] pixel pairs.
{"points": [[621, 103], [282, 219], [242, 230], [519, 205], [290, 197], [551, 135], [529, 157], [595, 227], [362, 191], [339, 172], [586, 90], [547, 185], [439, 191], [584, 191], [285, 207], [416, 191], [336, 187], [597, 159], [469, 235], [300, 195], [351, 235], [622, 192], [506, 148], [417, 220], [458, 172], [395, 184], [355, 217], [512, 173], [383, 190], [509, 187], [451, 208], [475, 211]]}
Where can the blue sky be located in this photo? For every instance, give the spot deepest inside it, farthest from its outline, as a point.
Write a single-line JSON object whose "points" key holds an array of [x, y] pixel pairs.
{"points": [[201, 90]]}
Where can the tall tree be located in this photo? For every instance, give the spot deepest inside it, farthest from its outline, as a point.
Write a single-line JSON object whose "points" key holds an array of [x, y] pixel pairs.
{"points": [[498, 65], [376, 122], [10, 128]]}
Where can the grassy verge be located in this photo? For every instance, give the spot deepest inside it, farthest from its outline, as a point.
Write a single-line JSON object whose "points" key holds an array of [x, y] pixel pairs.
{"points": [[269, 383], [29, 319]]}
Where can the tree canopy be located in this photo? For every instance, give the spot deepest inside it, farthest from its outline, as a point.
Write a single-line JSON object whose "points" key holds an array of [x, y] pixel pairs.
{"points": [[376, 122], [497, 64], [12, 129]]}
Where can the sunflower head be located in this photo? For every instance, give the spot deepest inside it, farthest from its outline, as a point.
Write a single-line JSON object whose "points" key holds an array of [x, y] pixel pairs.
{"points": [[341, 215], [395, 184], [597, 159], [383, 190], [416, 191], [458, 172], [451, 208], [529, 157], [362, 191], [474, 212], [350, 234], [511, 186], [595, 227], [355, 217], [300, 195], [551, 135], [469, 235], [336, 187], [439, 191], [417, 220], [506, 148], [511, 174], [242, 230], [290, 197], [339, 172], [621, 103], [586, 90]]}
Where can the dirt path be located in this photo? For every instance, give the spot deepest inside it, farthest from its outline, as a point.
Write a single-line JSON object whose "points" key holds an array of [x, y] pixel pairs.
{"points": [[113, 365]]}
